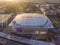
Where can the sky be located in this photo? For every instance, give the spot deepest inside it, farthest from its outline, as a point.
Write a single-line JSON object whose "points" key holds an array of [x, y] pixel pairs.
{"points": [[32, 0], [22, 0]]}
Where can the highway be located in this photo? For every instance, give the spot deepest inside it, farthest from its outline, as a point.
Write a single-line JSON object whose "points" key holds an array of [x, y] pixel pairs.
{"points": [[24, 40]]}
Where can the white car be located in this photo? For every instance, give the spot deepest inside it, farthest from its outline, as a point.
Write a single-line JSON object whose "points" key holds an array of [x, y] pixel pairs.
{"points": [[30, 21]]}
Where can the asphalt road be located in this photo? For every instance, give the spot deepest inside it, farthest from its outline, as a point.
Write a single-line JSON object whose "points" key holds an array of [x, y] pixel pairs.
{"points": [[4, 41]]}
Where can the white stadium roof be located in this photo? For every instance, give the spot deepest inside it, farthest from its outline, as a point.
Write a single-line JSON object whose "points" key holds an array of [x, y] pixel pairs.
{"points": [[32, 19]]}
